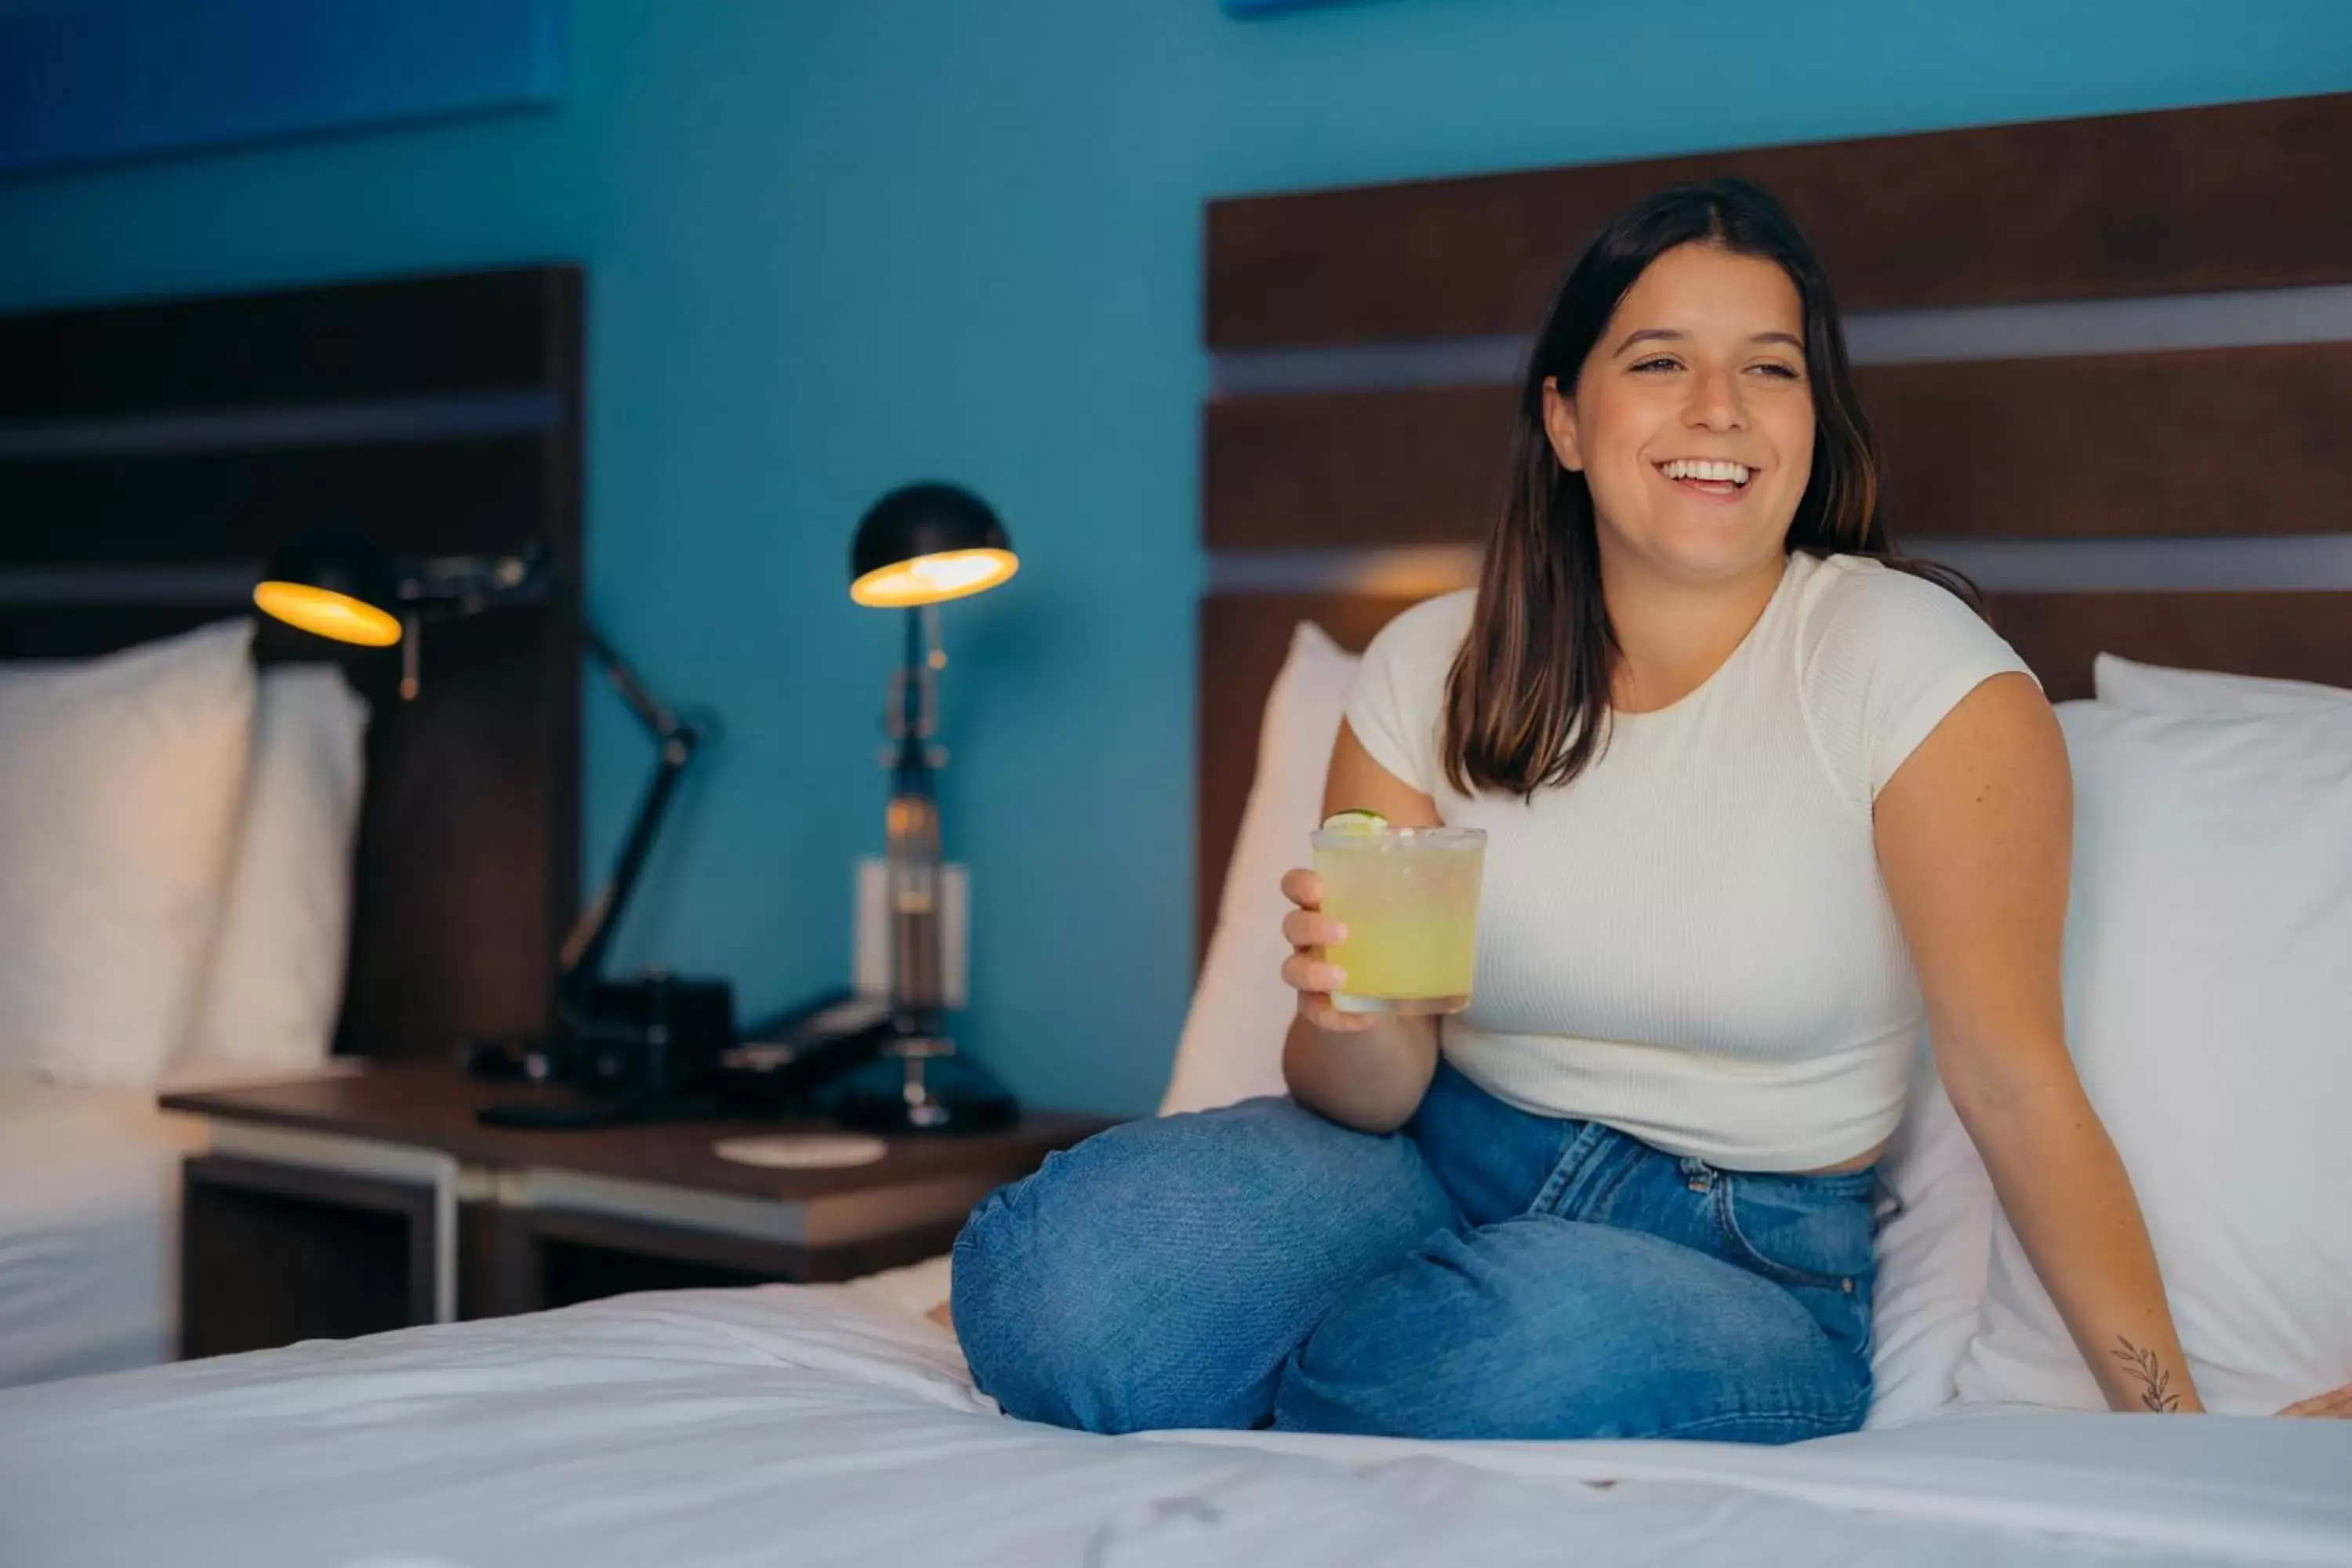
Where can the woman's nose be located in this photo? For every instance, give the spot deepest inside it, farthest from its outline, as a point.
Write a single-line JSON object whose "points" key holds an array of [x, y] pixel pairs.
{"points": [[1715, 402]]}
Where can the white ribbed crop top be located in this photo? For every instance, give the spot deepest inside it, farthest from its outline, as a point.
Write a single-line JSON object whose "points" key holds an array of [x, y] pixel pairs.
{"points": [[1691, 941]]}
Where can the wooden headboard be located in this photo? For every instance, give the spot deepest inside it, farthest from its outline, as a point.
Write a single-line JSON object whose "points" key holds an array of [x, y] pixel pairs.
{"points": [[2109, 362], [151, 456]]}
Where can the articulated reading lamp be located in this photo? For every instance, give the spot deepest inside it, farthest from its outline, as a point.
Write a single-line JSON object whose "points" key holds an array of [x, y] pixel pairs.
{"points": [[644, 1039], [917, 548]]}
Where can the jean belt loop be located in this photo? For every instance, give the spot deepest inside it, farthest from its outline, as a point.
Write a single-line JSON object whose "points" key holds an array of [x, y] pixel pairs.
{"points": [[1697, 1173]]}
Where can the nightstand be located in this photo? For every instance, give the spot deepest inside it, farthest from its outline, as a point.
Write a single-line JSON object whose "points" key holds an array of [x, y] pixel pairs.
{"points": [[335, 1207]]}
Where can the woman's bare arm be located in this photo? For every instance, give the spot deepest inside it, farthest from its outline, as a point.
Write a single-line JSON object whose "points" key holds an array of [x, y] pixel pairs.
{"points": [[1974, 834], [1364, 1070]]}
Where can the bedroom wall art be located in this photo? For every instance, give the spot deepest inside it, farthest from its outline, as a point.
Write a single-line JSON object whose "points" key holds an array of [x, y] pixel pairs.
{"points": [[90, 81], [1247, 8]]}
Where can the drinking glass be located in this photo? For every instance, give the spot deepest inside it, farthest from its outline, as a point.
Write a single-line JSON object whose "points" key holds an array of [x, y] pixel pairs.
{"points": [[1409, 898]]}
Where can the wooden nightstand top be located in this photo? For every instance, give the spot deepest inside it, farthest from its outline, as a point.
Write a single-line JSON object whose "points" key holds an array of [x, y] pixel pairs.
{"points": [[431, 1107]]}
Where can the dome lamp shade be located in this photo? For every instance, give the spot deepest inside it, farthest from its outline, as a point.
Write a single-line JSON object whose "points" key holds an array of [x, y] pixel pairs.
{"points": [[926, 544]]}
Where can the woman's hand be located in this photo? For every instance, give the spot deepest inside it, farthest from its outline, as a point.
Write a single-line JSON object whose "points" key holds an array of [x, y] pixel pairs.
{"points": [[1365, 1070], [2334, 1407], [1310, 930]]}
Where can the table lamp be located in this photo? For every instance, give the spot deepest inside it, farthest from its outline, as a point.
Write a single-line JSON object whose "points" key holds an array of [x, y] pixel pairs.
{"points": [[915, 549], [638, 1039]]}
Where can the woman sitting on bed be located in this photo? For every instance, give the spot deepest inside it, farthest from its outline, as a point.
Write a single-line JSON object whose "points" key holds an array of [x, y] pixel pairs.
{"points": [[1759, 796]]}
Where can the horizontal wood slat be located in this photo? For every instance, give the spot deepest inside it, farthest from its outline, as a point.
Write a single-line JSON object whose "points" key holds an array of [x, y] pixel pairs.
{"points": [[74, 632], [1354, 469], [438, 498], [2198, 443], [1244, 639], [2286, 635], [2178, 201], [406, 337]]}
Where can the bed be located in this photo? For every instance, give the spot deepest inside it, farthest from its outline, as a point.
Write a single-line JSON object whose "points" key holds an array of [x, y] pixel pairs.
{"points": [[801, 1425], [90, 1182], [1356, 337], [151, 455]]}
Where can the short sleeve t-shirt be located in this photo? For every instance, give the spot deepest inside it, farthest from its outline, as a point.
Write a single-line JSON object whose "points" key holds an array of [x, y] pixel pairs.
{"points": [[1691, 940]]}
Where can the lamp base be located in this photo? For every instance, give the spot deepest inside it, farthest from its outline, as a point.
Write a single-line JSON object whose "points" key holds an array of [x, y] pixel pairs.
{"points": [[920, 1084]]}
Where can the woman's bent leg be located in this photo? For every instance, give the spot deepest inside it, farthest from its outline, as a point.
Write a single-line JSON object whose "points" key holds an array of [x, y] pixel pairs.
{"points": [[1159, 1274], [1542, 1327]]}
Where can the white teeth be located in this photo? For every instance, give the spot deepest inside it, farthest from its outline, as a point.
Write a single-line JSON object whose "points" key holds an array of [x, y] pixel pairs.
{"points": [[1705, 468]]}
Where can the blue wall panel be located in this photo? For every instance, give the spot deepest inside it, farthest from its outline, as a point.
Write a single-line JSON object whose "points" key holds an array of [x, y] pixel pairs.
{"points": [[833, 246], [91, 81]]}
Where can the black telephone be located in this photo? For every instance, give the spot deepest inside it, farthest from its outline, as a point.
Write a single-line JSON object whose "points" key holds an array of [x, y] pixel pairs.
{"points": [[783, 1062], [685, 1060]]}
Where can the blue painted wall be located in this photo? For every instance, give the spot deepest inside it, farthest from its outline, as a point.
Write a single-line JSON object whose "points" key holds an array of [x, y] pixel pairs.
{"points": [[834, 247]]}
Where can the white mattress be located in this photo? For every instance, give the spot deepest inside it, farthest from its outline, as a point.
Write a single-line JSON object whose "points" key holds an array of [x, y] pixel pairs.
{"points": [[89, 1202], [707, 1429]]}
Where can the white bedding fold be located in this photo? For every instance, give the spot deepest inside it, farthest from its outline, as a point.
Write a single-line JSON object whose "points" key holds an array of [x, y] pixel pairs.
{"points": [[90, 1204], [801, 1426]]}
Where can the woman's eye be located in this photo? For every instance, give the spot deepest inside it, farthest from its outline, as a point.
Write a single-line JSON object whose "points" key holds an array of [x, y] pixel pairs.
{"points": [[1774, 368], [1661, 363]]}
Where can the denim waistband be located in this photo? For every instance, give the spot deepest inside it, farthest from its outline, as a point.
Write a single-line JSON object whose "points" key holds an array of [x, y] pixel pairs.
{"points": [[1498, 1161]]}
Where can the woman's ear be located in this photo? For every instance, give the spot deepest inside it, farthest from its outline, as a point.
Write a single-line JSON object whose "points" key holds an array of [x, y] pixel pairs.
{"points": [[1560, 424]]}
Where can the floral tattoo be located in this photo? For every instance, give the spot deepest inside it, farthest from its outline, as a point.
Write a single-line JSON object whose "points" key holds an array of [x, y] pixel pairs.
{"points": [[2156, 1384]]}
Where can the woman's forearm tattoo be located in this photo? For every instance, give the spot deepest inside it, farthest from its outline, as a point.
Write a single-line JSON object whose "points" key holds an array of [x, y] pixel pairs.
{"points": [[2154, 1383]]}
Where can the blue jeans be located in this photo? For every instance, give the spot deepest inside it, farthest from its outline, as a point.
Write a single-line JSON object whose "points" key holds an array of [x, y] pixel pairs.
{"points": [[1483, 1273]]}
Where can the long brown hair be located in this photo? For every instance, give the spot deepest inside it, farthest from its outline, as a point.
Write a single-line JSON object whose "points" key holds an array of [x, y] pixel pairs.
{"points": [[1527, 702]]}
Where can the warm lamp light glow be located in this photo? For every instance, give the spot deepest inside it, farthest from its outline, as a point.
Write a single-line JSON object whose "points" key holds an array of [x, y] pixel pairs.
{"points": [[327, 614], [932, 579]]}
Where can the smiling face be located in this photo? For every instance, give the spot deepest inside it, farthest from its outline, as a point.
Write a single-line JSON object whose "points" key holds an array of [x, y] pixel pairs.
{"points": [[1692, 419]]}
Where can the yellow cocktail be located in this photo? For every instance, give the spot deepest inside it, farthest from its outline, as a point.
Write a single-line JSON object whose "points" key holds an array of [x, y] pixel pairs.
{"points": [[1409, 898]]}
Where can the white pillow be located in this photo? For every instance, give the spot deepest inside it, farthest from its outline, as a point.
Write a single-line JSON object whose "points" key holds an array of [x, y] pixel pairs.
{"points": [[2153, 688], [120, 782], [275, 982], [2208, 1006], [1232, 1045], [1934, 1252]]}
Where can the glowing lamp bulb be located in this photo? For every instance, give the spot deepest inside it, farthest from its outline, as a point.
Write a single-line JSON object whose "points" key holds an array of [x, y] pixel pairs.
{"points": [[327, 614], [933, 579]]}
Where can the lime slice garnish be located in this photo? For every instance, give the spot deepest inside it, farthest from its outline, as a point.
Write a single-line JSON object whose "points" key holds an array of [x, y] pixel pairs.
{"points": [[1354, 822]]}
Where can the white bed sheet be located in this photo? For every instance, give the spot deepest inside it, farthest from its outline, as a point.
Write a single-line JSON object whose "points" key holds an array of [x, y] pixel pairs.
{"points": [[712, 1428], [90, 1204]]}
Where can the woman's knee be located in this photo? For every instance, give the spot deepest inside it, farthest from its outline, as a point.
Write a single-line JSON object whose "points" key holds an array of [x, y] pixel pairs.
{"points": [[1013, 1279], [1156, 1274], [1545, 1328], [1038, 1314]]}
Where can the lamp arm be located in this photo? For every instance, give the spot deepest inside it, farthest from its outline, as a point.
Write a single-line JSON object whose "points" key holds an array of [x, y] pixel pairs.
{"points": [[657, 718], [591, 937]]}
